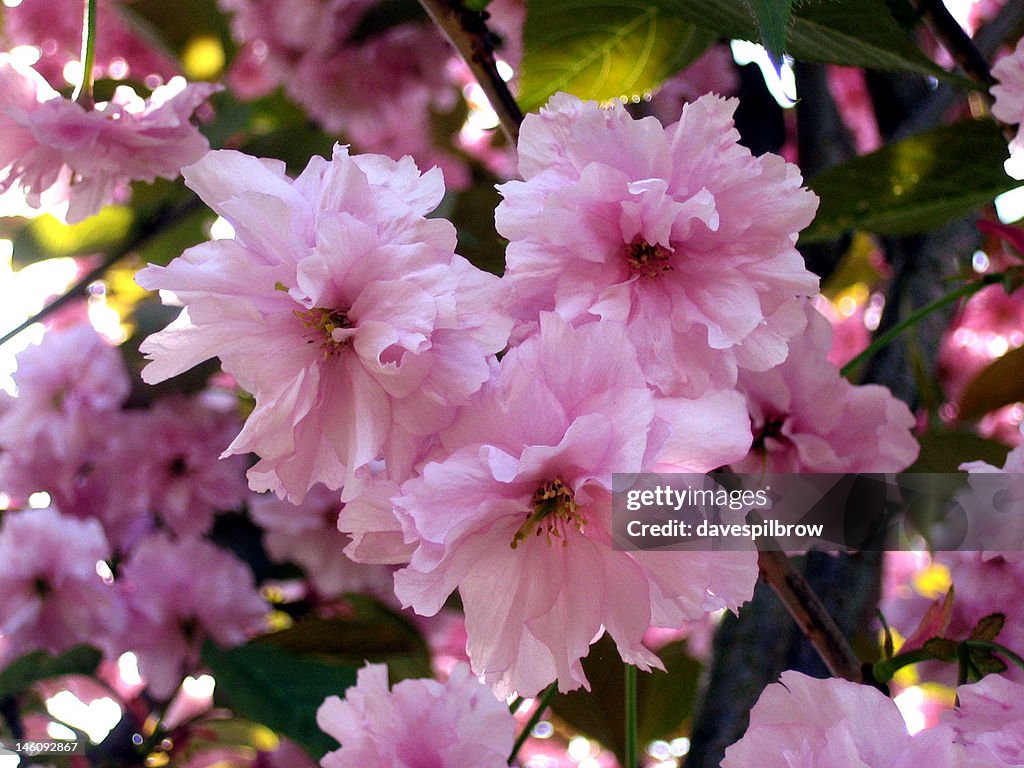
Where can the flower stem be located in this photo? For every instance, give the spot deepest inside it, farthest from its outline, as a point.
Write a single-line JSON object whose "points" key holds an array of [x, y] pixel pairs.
{"points": [[632, 754], [884, 670], [467, 31], [538, 713], [1002, 650], [917, 316], [83, 91]]}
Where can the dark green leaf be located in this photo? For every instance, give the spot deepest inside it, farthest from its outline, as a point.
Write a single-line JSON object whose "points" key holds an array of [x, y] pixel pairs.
{"points": [[472, 213], [39, 665], [913, 185], [368, 632], [772, 21], [941, 648], [945, 451], [998, 384], [603, 50], [986, 662], [385, 15], [279, 689], [988, 627], [665, 699], [856, 33]]}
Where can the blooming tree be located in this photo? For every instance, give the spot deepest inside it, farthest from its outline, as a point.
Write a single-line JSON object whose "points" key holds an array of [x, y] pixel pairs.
{"points": [[339, 331]]}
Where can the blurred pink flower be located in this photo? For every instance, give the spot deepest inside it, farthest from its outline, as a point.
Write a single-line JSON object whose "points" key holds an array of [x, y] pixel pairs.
{"points": [[180, 479], [1009, 93], [808, 418], [56, 152], [375, 89], [678, 232], [63, 383], [307, 534], [454, 724], [342, 309], [713, 72], [528, 543], [988, 719], [51, 595], [180, 593], [55, 28], [853, 100], [803, 722]]}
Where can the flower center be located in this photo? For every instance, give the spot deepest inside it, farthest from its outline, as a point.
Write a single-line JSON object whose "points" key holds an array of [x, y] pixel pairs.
{"points": [[554, 507], [646, 260], [322, 324], [772, 428]]}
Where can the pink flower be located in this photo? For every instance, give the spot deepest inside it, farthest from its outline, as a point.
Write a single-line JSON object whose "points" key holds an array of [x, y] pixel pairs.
{"points": [[713, 72], [55, 28], [51, 594], [378, 90], [180, 593], [417, 723], [308, 535], [57, 152], [180, 480], [69, 379], [807, 418], [802, 722], [989, 719], [678, 232], [518, 516], [338, 306], [1009, 94]]}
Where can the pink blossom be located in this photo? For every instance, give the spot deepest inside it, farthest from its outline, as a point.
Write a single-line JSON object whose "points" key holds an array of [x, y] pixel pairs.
{"points": [[55, 151], [418, 722], [69, 379], [713, 72], [338, 306], [51, 594], [850, 335], [518, 516], [1009, 93], [180, 593], [849, 88], [55, 28], [802, 722], [179, 478], [808, 418], [678, 232], [377, 91], [307, 534], [989, 718]]}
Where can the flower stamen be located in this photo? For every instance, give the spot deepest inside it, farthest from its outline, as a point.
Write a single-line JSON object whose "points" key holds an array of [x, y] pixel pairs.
{"points": [[554, 507], [323, 322], [646, 260]]}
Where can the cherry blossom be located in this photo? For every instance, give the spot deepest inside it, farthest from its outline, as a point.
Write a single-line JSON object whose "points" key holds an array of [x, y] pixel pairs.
{"points": [[528, 545], [338, 306], [61, 155], [417, 722], [678, 232]]}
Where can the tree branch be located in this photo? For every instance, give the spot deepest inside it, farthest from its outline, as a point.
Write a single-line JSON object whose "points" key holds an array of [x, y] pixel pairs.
{"points": [[467, 31], [810, 615]]}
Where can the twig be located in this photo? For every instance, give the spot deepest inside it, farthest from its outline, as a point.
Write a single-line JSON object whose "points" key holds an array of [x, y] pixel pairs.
{"points": [[143, 232], [468, 32], [83, 91], [810, 615], [951, 35]]}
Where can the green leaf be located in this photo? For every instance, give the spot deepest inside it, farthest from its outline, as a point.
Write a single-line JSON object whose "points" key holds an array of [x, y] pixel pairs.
{"points": [[913, 185], [279, 689], [856, 33], [45, 237], [39, 665], [368, 632], [944, 451], [998, 384], [772, 21], [665, 699], [603, 50], [988, 627], [986, 662]]}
